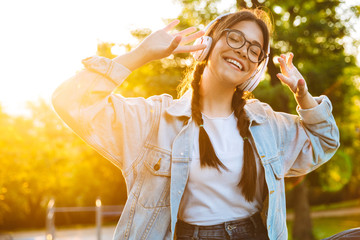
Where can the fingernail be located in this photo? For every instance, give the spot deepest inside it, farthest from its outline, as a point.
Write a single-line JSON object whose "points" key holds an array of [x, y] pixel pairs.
{"points": [[86, 59]]}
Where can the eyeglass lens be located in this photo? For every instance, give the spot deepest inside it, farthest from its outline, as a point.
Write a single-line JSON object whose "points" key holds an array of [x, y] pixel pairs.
{"points": [[237, 40]]}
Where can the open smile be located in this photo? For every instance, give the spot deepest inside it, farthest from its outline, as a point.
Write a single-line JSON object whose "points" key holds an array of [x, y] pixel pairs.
{"points": [[235, 64]]}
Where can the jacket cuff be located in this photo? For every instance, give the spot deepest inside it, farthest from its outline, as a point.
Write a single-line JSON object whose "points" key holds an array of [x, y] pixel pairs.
{"points": [[107, 67], [317, 114]]}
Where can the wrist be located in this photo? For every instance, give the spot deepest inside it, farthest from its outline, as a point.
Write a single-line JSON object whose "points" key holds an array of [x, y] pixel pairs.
{"points": [[142, 54], [133, 59], [306, 101]]}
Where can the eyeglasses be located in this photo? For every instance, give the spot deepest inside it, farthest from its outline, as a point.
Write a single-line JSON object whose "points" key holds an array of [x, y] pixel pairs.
{"points": [[236, 39]]}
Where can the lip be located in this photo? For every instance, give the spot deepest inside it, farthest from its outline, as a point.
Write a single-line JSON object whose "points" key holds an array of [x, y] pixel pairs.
{"points": [[236, 59]]}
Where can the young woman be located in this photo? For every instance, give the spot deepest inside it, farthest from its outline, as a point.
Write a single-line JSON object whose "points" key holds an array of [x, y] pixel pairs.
{"points": [[210, 165]]}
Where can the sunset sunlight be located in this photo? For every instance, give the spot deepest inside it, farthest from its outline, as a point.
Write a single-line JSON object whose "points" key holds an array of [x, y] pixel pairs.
{"points": [[43, 41], [173, 119]]}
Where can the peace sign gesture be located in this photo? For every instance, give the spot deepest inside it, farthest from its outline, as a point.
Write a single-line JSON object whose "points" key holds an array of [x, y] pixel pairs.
{"points": [[161, 43]]}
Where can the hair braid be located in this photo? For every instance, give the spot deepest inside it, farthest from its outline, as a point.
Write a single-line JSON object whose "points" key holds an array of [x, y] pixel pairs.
{"points": [[195, 101], [249, 171], [207, 153]]}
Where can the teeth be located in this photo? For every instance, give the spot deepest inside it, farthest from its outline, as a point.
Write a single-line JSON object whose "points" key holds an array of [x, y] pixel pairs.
{"points": [[235, 63]]}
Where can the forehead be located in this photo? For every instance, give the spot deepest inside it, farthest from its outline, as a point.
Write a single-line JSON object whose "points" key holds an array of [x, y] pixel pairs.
{"points": [[251, 30]]}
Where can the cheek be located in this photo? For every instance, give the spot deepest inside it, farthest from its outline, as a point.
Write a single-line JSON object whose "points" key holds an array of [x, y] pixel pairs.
{"points": [[253, 68]]}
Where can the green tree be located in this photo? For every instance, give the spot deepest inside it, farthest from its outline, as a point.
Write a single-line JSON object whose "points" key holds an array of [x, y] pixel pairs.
{"points": [[314, 31], [41, 158], [317, 32]]}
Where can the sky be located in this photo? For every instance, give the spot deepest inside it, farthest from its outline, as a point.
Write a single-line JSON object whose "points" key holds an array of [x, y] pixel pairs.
{"points": [[43, 42]]}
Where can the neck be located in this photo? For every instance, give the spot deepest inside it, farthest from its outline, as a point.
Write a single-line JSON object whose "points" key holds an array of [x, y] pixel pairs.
{"points": [[216, 96]]}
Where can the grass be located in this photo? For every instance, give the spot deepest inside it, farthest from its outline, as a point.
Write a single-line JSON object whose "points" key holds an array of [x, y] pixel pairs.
{"points": [[326, 227]]}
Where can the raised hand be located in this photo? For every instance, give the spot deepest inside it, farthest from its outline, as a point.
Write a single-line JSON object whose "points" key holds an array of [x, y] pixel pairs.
{"points": [[291, 76], [161, 43]]}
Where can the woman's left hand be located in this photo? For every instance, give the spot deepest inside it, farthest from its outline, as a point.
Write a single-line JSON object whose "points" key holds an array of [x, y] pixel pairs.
{"points": [[291, 76]]}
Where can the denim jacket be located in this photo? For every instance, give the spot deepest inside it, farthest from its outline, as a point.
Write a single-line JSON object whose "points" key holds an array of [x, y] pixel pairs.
{"points": [[150, 141]]}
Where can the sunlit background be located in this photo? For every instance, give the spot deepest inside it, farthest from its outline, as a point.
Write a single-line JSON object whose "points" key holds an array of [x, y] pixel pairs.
{"points": [[42, 43]]}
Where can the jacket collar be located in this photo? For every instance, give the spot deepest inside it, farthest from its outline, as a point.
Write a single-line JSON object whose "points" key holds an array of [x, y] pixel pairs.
{"points": [[182, 108], [255, 111]]}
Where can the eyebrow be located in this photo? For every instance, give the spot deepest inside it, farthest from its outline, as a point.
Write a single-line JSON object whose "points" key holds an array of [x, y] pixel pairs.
{"points": [[253, 41]]}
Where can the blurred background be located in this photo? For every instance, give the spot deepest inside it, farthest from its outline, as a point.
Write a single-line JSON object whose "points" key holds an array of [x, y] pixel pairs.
{"points": [[43, 41]]}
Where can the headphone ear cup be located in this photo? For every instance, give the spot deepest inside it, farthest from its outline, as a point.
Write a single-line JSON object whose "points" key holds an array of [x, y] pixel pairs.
{"points": [[254, 80], [200, 55]]}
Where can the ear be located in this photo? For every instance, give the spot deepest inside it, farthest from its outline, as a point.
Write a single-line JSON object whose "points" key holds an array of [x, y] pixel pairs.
{"points": [[202, 54]]}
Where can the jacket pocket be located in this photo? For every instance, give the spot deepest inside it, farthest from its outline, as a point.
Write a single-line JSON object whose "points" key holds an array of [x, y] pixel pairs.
{"points": [[158, 163], [278, 168], [155, 187]]}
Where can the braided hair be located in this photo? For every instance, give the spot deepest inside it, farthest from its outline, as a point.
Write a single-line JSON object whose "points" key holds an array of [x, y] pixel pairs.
{"points": [[207, 153]]}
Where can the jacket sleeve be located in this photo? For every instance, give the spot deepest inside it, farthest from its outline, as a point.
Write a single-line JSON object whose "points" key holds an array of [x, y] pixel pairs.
{"points": [[114, 126], [307, 140]]}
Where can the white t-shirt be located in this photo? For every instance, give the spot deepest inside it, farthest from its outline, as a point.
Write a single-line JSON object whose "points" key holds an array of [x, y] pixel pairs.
{"points": [[213, 197]]}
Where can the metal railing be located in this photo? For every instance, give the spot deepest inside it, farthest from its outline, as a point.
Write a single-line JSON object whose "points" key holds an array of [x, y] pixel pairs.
{"points": [[99, 209]]}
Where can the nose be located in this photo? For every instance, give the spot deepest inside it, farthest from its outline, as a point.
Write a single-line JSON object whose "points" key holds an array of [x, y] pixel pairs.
{"points": [[242, 51]]}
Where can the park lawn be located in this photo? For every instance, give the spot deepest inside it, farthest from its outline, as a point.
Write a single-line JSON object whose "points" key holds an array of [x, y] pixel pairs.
{"points": [[326, 227], [339, 205]]}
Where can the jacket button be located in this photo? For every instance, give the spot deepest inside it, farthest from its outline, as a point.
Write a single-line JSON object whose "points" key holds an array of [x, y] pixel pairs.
{"points": [[156, 167]]}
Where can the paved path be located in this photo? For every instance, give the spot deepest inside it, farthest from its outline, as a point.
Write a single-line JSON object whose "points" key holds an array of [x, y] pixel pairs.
{"points": [[68, 234], [107, 232]]}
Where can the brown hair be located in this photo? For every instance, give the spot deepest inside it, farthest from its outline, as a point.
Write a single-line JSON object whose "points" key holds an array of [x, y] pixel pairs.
{"points": [[207, 153]]}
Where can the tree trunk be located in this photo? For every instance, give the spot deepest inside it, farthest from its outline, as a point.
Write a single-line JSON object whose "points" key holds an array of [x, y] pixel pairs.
{"points": [[302, 228]]}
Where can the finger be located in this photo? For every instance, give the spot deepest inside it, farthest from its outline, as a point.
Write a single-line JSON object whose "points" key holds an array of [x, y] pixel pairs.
{"points": [[192, 37], [289, 61], [301, 88], [175, 43], [171, 25], [287, 81], [190, 48], [186, 31], [283, 67], [283, 78]]}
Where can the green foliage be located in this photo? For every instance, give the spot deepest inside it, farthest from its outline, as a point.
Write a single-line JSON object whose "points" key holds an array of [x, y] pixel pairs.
{"points": [[40, 158], [337, 173], [315, 31]]}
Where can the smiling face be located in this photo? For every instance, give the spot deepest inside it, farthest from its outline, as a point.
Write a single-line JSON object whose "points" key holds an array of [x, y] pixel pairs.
{"points": [[232, 66]]}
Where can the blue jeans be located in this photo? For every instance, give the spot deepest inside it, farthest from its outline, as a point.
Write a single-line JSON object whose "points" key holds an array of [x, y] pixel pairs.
{"points": [[251, 228]]}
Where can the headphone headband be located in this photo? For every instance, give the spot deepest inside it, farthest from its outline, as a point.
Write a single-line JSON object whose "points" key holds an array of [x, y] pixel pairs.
{"points": [[202, 54], [215, 20], [253, 81]]}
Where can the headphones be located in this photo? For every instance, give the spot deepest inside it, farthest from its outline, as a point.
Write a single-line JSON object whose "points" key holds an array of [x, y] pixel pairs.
{"points": [[200, 55]]}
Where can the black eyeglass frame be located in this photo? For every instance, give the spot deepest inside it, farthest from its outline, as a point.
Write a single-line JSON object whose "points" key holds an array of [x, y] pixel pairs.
{"points": [[228, 31]]}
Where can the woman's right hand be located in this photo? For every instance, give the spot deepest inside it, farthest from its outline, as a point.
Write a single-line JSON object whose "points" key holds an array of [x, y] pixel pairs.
{"points": [[161, 44]]}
